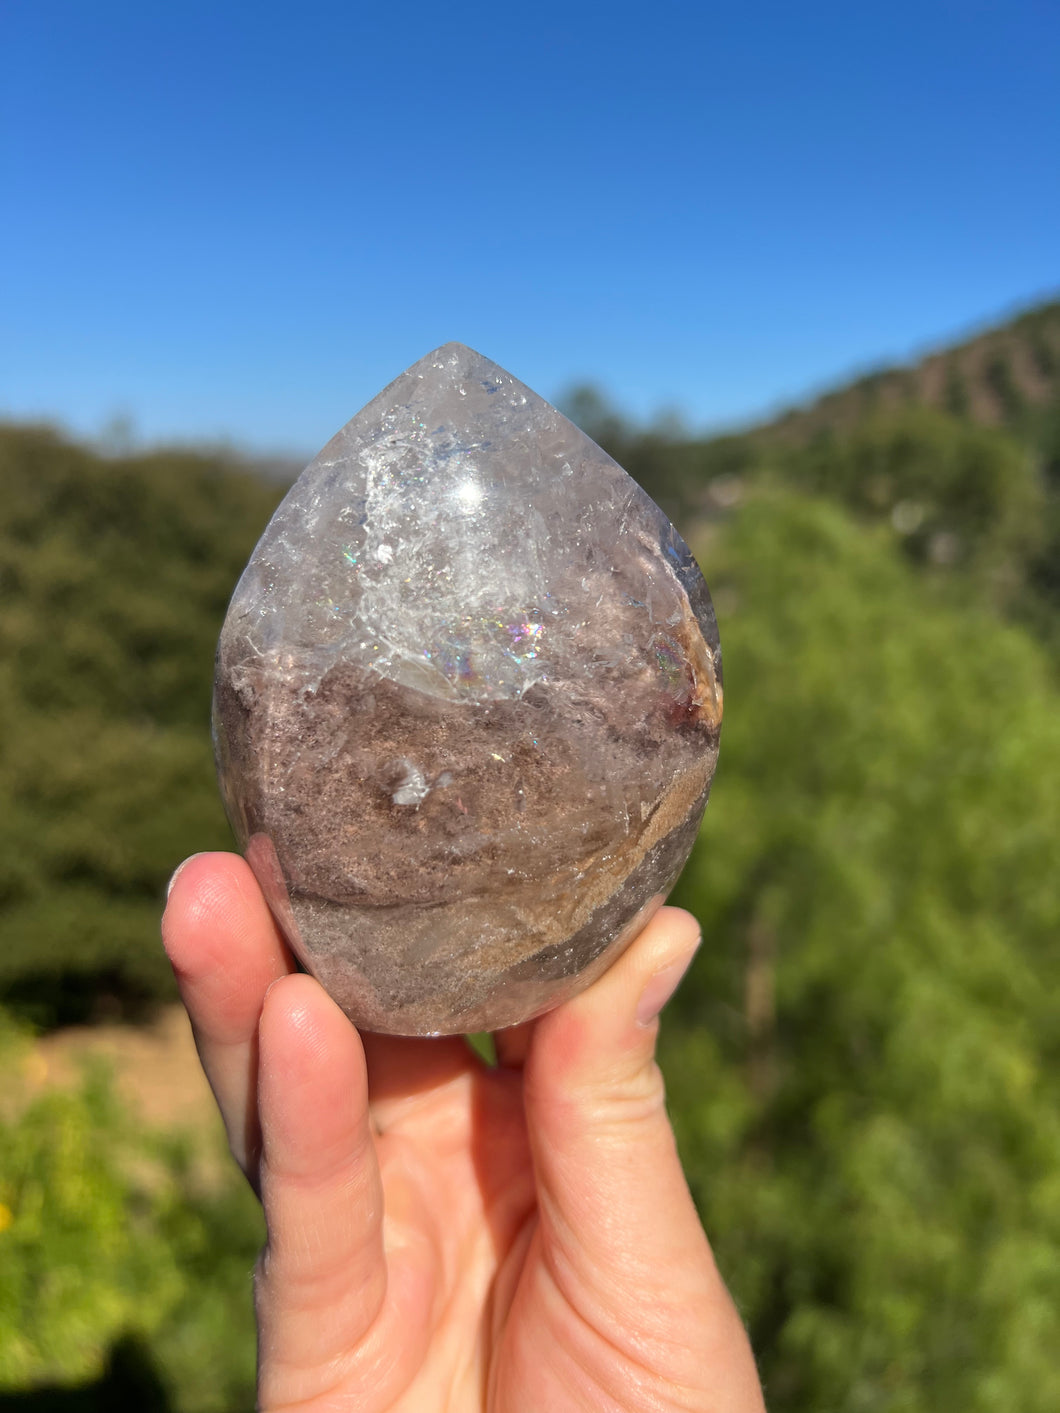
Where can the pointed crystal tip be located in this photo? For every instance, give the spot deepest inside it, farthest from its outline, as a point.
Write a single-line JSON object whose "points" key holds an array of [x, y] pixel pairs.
{"points": [[467, 704]]}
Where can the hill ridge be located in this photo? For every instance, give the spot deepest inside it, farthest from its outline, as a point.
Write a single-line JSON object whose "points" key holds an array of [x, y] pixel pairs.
{"points": [[994, 377]]}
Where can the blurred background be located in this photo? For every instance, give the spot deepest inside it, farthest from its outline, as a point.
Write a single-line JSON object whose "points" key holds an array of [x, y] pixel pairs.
{"points": [[797, 268]]}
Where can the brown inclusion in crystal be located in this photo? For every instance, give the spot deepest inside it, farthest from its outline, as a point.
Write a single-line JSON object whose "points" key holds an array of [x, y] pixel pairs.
{"points": [[467, 705]]}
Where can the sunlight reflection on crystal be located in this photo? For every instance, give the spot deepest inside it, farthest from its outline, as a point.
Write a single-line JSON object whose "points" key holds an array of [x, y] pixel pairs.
{"points": [[470, 494]]}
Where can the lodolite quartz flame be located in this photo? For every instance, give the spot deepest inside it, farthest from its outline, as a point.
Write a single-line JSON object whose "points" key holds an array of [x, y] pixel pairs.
{"points": [[467, 705]]}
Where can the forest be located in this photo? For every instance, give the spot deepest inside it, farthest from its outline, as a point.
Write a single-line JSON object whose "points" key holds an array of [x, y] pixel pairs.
{"points": [[863, 1067]]}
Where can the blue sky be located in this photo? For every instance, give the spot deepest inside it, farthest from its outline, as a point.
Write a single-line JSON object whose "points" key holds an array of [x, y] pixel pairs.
{"points": [[241, 220]]}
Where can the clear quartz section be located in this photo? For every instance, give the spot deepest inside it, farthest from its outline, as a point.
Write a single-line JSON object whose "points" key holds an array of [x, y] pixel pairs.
{"points": [[467, 705]]}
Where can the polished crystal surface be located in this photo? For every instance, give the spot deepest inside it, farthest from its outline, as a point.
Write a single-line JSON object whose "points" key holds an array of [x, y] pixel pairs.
{"points": [[467, 705]]}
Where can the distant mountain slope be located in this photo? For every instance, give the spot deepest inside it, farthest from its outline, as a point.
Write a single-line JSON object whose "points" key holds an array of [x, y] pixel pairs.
{"points": [[957, 456], [999, 377]]}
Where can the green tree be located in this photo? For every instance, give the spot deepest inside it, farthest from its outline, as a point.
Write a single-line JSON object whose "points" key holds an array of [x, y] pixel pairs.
{"points": [[109, 1237], [865, 1066], [114, 577], [959, 495]]}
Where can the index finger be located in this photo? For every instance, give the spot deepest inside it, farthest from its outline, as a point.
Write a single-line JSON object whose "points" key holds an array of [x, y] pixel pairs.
{"points": [[226, 952]]}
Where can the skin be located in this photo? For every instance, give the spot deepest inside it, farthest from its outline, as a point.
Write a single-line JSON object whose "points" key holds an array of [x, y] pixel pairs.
{"points": [[446, 1236]]}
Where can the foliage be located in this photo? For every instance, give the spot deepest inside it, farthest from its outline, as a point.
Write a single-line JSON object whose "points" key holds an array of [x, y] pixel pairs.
{"points": [[957, 494], [865, 1065], [114, 575], [976, 505], [961, 452], [107, 1236], [677, 471]]}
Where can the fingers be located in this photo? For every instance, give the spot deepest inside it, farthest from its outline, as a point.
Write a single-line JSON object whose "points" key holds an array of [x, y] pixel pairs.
{"points": [[322, 1278], [402, 1071], [513, 1045], [226, 952], [617, 1219]]}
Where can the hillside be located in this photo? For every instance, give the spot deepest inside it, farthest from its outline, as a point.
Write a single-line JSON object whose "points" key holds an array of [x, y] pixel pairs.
{"points": [[1003, 376], [114, 577], [863, 1065], [958, 456]]}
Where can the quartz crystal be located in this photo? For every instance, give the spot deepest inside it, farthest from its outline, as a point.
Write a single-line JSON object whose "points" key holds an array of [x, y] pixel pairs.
{"points": [[467, 705]]}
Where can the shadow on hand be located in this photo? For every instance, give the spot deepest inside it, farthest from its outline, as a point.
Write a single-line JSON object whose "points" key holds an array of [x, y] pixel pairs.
{"points": [[129, 1381]]}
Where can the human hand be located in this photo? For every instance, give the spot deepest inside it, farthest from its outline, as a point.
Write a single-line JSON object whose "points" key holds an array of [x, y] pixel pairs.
{"points": [[442, 1235]]}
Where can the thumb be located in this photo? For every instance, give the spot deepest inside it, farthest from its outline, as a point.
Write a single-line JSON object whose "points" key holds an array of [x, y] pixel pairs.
{"points": [[619, 1229], [609, 1178]]}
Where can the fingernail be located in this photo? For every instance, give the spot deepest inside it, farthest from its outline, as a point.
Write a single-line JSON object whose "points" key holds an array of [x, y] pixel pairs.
{"points": [[659, 990], [178, 871]]}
